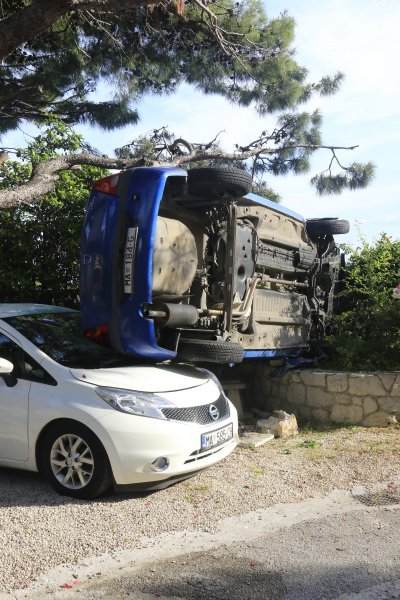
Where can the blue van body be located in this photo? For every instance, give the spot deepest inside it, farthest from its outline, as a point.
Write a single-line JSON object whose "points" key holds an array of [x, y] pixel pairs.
{"points": [[117, 260], [103, 301]]}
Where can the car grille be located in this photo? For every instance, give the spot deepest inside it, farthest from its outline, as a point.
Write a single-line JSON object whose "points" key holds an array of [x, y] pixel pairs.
{"points": [[198, 414]]}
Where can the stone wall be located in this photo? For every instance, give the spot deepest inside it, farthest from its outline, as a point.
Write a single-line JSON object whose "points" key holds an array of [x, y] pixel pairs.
{"points": [[371, 399]]}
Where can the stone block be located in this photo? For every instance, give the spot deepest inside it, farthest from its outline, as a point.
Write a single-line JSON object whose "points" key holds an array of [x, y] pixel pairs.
{"points": [[379, 419], [320, 415], [280, 424], [287, 428], [296, 393], [390, 405], [388, 380], [280, 414], [396, 388], [365, 384], [282, 392], [344, 399], [304, 412], [370, 406], [319, 398], [296, 377], [347, 414], [337, 382], [313, 378], [356, 400], [286, 378]]}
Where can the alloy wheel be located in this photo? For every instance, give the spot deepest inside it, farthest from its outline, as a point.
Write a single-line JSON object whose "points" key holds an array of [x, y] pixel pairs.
{"points": [[71, 461]]}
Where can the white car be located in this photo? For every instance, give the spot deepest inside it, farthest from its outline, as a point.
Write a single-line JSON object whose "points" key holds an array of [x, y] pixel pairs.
{"points": [[89, 418]]}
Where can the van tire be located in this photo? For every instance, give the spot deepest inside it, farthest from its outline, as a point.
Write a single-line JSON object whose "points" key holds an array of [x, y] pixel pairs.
{"points": [[329, 226], [217, 182], [210, 351]]}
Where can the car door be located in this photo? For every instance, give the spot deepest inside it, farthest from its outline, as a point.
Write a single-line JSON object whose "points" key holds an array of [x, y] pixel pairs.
{"points": [[14, 394]]}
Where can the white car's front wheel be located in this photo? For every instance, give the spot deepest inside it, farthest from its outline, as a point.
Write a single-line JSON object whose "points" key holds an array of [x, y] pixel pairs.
{"points": [[74, 461]]}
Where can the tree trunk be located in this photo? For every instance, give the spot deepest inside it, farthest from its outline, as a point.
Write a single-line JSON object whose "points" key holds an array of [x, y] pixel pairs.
{"points": [[30, 21]]}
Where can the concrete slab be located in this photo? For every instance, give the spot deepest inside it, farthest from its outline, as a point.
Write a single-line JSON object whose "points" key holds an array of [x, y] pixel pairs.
{"points": [[252, 439]]}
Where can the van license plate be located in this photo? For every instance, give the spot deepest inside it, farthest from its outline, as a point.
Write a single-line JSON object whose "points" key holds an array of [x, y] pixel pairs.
{"points": [[216, 437], [129, 257]]}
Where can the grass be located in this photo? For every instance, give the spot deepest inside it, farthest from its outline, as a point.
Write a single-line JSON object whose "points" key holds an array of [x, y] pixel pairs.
{"points": [[329, 441], [307, 444], [256, 470], [332, 451], [312, 429], [196, 490]]}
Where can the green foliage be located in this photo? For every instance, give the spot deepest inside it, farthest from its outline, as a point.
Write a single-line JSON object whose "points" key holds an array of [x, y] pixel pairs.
{"points": [[225, 47], [366, 334], [40, 242], [153, 51], [262, 189], [308, 444], [286, 149], [57, 138], [354, 177]]}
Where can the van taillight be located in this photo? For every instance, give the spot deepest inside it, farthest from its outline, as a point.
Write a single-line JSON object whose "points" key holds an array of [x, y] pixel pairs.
{"points": [[99, 334], [107, 185]]}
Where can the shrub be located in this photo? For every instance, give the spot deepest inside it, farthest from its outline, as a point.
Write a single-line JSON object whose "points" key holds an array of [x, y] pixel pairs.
{"points": [[40, 241], [365, 336]]}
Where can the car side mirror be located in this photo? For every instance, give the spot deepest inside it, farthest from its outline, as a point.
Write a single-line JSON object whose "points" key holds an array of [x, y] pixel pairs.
{"points": [[6, 367]]}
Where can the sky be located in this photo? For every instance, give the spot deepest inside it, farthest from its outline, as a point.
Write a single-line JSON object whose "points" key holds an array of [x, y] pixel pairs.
{"points": [[358, 37]]}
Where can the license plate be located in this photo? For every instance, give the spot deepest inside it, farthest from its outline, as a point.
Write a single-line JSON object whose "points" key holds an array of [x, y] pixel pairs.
{"points": [[129, 256], [216, 437]]}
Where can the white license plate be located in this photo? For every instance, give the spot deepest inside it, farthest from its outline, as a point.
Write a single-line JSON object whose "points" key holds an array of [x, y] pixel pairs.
{"points": [[129, 256], [216, 437]]}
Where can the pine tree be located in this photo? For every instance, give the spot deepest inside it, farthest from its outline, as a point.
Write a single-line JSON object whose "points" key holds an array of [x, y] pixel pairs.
{"points": [[225, 47], [56, 53]]}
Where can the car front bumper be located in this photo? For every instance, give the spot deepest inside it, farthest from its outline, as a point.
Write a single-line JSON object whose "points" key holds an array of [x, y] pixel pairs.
{"points": [[133, 443]]}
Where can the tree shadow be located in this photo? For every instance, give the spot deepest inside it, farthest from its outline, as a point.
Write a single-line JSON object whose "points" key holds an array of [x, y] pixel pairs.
{"points": [[27, 488], [227, 576]]}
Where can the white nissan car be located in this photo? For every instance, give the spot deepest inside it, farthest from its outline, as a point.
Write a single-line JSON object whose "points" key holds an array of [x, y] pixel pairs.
{"points": [[89, 418]]}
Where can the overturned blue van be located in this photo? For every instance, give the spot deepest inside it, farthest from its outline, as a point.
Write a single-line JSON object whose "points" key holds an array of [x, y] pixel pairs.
{"points": [[192, 265]]}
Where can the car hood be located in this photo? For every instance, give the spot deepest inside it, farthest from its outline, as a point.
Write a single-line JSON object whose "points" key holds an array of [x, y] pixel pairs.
{"points": [[153, 379]]}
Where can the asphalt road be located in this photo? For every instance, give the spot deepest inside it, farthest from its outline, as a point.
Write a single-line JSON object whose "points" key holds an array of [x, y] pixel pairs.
{"points": [[345, 546]]}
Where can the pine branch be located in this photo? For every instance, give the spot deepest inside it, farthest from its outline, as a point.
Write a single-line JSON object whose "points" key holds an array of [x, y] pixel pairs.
{"points": [[46, 174]]}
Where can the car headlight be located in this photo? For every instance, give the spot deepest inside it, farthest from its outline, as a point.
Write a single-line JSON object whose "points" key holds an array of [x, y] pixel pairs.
{"points": [[135, 403], [215, 379]]}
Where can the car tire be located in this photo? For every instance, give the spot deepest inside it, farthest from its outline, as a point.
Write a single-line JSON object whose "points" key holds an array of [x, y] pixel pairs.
{"points": [[86, 473], [329, 226], [210, 351], [217, 182]]}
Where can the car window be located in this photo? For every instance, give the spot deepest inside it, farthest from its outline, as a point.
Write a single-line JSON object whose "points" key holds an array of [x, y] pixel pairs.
{"points": [[25, 367], [12, 352], [34, 372], [60, 336]]}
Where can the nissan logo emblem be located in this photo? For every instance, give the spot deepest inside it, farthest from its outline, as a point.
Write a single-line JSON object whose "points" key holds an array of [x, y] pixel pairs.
{"points": [[213, 412]]}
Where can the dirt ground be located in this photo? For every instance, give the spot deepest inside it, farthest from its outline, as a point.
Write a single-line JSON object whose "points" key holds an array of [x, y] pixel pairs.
{"points": [[41, 530]]}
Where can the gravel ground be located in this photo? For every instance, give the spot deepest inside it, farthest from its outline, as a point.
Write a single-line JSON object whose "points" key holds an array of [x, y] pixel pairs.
{"points": [[40, 530]]}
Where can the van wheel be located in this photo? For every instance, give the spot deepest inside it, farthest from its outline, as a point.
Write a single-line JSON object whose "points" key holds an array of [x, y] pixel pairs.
{"points": [[329, 226], [218, 182], [210, 351], [74, 461]]}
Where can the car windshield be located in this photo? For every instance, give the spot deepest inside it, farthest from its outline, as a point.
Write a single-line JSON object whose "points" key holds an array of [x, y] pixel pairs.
{"points": [[60, 336]]}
